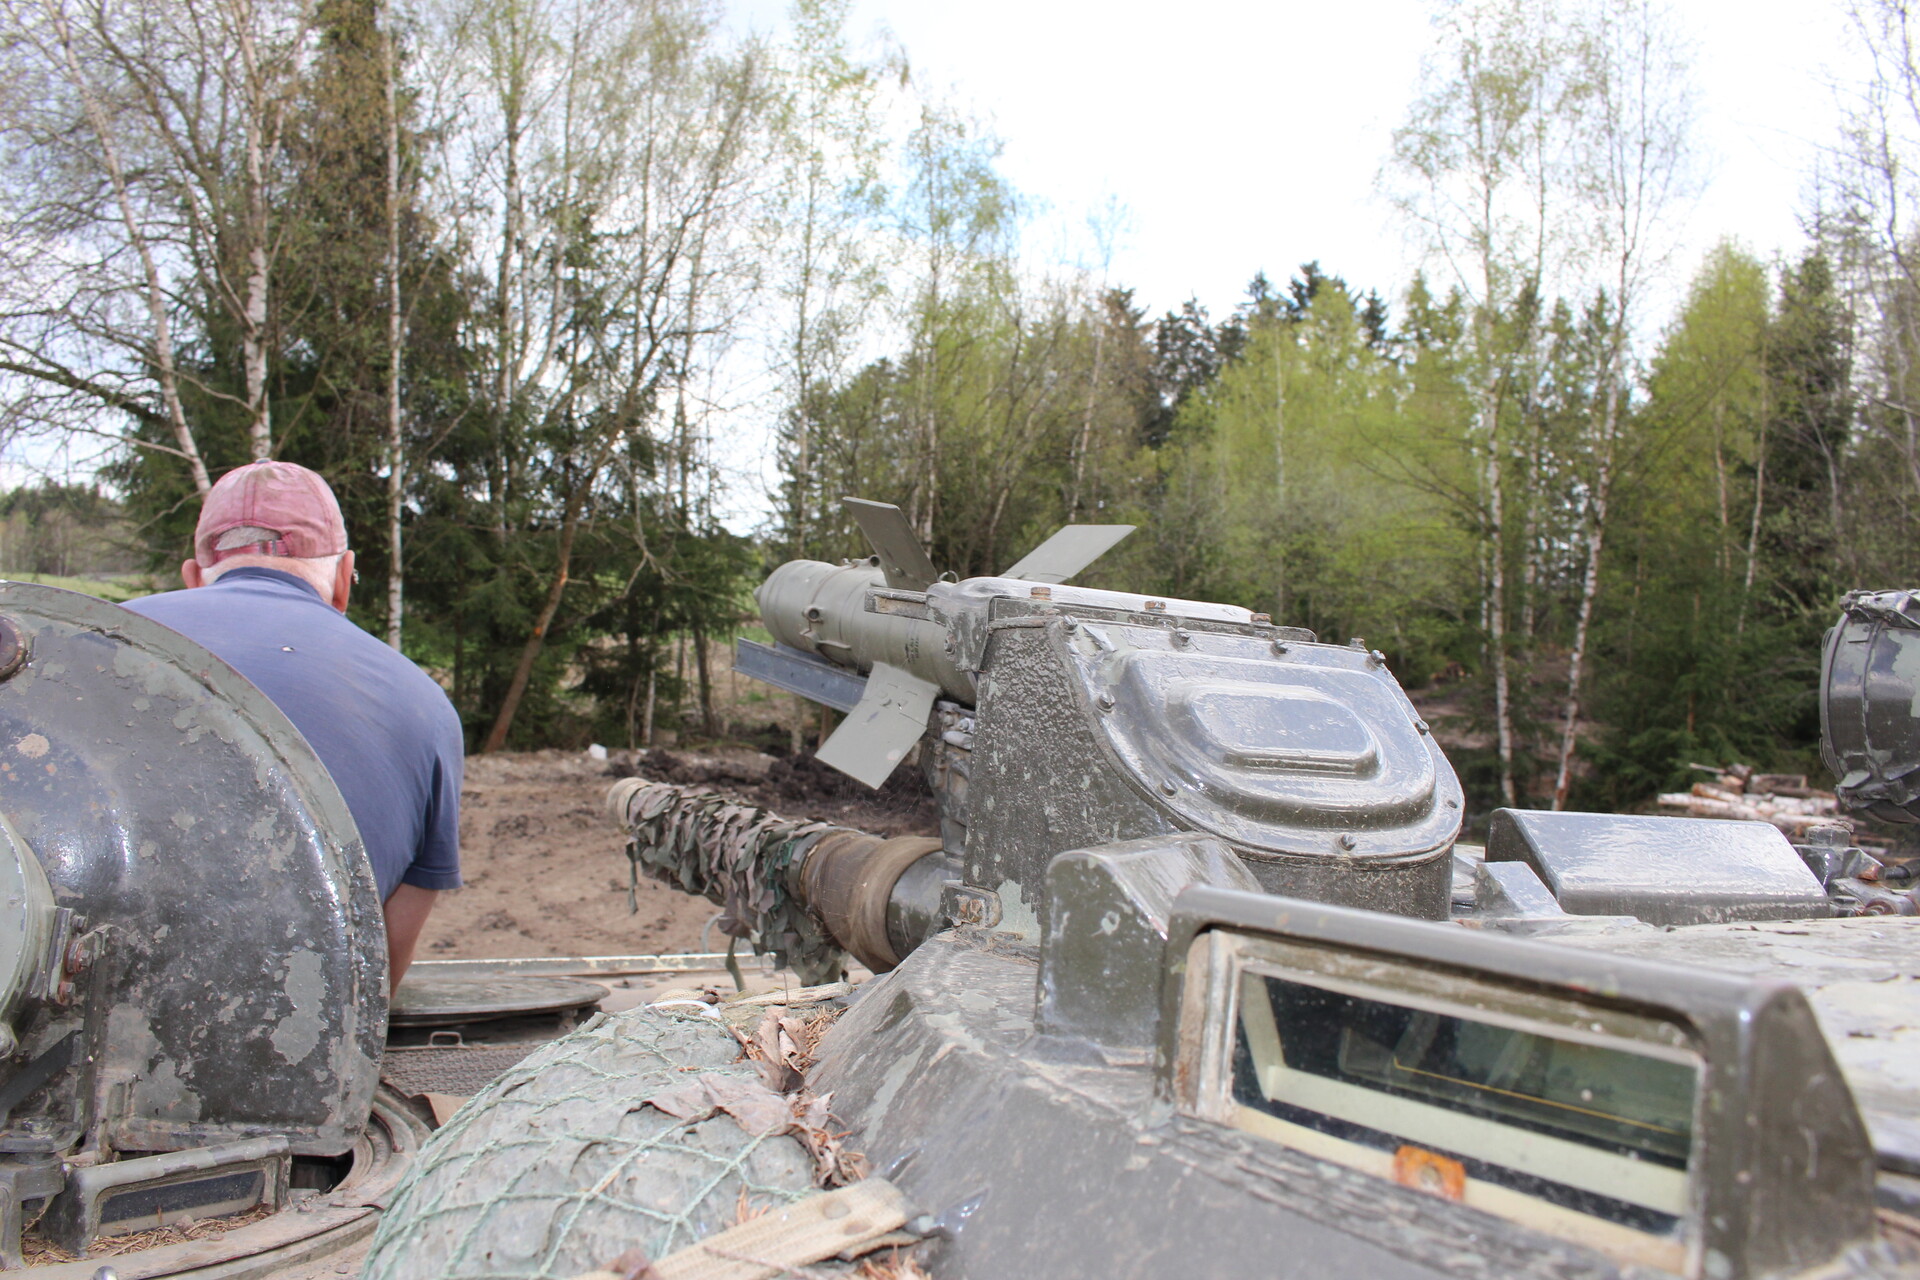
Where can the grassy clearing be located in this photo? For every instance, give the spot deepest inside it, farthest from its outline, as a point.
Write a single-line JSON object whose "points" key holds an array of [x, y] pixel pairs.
{"points": [[114, 589]]}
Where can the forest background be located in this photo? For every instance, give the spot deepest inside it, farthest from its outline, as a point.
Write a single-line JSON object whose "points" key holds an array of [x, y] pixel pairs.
{"points": [[498, 269]]}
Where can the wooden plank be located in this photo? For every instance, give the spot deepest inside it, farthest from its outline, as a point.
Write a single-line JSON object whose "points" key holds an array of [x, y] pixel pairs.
{"points": [[799, 995], [808, 1230]]}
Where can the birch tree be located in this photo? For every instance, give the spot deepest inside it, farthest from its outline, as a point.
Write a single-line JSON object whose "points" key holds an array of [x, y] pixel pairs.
{"points": [[1480, 169], [957, 213], [1870, 233], [396, 328], [605, 142], [150, 135], [1634, 158], [821, 213]]}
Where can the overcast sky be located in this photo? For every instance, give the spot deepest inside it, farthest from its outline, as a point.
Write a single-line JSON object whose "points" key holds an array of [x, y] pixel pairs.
{"points": [[1246, 136]]}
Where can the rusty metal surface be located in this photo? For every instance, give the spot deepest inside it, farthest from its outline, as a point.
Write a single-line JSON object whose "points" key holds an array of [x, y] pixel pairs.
{"points": [[239, 984], [848, 882]]}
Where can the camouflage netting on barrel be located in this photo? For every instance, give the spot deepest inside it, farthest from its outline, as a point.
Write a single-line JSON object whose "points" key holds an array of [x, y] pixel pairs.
{"points": [[739, 858]]}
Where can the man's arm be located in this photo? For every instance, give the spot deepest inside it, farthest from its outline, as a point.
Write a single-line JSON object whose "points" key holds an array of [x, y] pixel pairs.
{"points": [[406, 915]]}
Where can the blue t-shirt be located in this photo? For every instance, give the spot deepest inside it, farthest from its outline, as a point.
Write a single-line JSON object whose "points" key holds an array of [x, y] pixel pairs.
{"points": [[383, 728]]}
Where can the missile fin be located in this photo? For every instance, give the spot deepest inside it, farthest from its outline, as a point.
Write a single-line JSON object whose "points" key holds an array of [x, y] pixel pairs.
{"points": [[1067, 552], [902, 557], [878, 733]]}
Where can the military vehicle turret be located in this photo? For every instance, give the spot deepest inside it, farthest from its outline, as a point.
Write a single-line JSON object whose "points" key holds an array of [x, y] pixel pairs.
{"points": [[194, 1015], [1197, 979]]}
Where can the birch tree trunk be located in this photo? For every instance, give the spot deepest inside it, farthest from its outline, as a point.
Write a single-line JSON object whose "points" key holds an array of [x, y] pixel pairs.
{"points": [[1083, 442], [1280, 467], [1753, 526], [396, 440], [1481, 145], [1590, 577], [168, 151], [1497, 590], [1637, 148], [258, 128]]}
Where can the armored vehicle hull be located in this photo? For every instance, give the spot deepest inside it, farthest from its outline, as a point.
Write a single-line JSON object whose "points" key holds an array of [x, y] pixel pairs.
{"points": [[1198, 979]]}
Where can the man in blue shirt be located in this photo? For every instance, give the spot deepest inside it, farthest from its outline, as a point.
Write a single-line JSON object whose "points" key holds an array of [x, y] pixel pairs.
{"points": [[267, 591]]}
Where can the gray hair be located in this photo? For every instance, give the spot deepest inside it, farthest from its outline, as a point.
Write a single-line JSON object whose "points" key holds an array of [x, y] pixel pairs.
{"points": [[318, 570]]}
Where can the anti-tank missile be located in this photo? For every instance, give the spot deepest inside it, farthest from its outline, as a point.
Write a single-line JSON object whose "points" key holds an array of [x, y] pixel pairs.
{"points": [[1056, 717], [877, 618]]}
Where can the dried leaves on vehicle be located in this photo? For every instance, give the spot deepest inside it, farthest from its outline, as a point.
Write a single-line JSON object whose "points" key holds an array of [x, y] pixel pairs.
{"points": [[762, 1112]]}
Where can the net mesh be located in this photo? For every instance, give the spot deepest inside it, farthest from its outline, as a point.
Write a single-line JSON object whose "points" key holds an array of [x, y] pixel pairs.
{"points": [[559, 1166]]}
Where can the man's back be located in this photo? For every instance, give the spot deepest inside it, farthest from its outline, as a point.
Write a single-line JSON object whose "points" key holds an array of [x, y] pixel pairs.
{"points": [[382, 727]]}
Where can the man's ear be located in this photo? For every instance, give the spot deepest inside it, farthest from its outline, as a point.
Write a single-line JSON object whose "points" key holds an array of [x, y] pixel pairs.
{"points": [[343, 581], [191, 575]]}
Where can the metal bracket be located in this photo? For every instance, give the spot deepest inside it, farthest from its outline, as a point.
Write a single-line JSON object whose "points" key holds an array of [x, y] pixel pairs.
{"points": [[20, 1183], [36, 1073], [962, 904], [812, 678], [151, 1191], [899, 604]]}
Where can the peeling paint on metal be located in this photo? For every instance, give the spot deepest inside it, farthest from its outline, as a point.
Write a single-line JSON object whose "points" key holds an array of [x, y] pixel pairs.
{"points": [[306, 986], [1017, 916], [903, 1069]]}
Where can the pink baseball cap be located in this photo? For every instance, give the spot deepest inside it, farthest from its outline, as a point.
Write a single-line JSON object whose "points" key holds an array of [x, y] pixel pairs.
{"points": [[291, 506]]}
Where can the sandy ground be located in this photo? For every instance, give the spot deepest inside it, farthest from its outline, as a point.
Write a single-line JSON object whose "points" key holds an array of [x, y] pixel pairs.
{"points": [[546, 872]]}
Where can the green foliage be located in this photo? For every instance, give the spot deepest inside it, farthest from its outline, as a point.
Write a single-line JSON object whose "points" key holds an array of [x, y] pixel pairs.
{"points": [[625, 202], [62, 531], [1728, 566]]}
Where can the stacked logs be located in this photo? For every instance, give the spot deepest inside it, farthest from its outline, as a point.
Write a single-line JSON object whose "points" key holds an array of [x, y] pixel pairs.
{"points": [[1784, 799]]}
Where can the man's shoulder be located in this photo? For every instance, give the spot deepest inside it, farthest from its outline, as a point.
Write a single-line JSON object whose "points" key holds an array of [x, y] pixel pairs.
{"points": [[251, 629], [374, 654], [155, 605]]}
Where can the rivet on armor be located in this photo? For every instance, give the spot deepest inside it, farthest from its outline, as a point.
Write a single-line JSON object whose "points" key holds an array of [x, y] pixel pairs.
{"points": [[13, 647]]}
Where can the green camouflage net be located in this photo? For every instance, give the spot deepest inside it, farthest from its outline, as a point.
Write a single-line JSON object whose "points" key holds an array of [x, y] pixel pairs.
{"points": [[736, 856], [560, 1166]]}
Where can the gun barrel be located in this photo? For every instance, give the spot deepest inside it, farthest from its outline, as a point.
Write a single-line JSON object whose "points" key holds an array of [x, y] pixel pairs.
{"points": [[821, 609], [808, 891]]}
